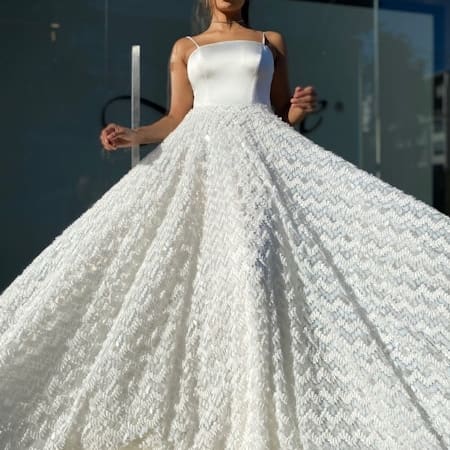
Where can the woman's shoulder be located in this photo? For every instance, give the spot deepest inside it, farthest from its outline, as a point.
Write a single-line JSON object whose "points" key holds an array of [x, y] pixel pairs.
{"points": [[184, 42], [181, 43], [181, 48], [273, 34], [275, 38], [275, 41]]}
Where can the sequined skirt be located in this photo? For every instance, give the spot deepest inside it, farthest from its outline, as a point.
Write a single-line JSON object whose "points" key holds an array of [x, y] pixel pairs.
{"points": [[240, 288]]}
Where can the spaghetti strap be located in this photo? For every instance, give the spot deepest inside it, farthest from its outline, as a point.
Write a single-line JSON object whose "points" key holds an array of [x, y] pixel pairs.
{"points": [[193, 40], [263, 37]]}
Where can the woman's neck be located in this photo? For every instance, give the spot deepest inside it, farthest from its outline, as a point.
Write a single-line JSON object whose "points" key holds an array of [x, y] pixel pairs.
{"points": [[222, 20]]}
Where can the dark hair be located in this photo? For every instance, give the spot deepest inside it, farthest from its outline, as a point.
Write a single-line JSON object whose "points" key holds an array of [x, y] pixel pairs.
{"points": [[201, 16]]}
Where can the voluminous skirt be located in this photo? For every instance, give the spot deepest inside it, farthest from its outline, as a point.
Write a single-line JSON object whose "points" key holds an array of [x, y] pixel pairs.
{"points": [[240, 288]]}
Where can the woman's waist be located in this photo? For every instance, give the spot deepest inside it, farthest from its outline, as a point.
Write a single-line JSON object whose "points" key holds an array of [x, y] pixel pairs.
{"points": [[238, 107]]}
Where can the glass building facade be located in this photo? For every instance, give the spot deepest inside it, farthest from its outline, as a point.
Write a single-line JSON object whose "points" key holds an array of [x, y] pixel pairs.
{"points": [[381, 70]]}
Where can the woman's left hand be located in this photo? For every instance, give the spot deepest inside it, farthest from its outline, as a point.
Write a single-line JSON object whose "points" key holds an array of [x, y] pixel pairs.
{"points": [[303, 102]]}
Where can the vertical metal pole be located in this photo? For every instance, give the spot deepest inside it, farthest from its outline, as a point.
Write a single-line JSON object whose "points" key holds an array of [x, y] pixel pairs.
{"points": [[135, 97], [446, 115], [446, 128], [360, 111], [376, 69]]}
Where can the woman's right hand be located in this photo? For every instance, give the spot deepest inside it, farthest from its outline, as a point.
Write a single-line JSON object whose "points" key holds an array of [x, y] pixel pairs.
{"points": [[115, 136]]}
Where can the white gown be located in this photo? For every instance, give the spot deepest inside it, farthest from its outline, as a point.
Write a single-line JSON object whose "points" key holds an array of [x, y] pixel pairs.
{"points": [[240, 288]]}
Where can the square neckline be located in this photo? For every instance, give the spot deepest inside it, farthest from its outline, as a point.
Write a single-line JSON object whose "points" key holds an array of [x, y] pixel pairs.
{"points": [[262, 42]]}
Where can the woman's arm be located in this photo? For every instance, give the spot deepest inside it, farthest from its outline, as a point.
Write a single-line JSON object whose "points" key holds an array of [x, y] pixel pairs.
{"points": [[181, 99], [292, 109]]}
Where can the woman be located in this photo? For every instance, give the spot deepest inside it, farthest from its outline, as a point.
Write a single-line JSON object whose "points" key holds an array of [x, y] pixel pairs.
{"points": [[239, 288], [227, 24]]}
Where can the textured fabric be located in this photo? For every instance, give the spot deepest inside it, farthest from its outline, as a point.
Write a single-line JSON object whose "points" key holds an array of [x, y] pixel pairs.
{"points": [[239, 288]]}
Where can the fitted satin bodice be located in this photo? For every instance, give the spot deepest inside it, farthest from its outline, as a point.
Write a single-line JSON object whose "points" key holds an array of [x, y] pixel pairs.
{"points": [[237, 72]]}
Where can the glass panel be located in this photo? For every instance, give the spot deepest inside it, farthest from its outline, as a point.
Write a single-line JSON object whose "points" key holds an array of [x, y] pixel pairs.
{"points": [[416, 44], [406, 100]]}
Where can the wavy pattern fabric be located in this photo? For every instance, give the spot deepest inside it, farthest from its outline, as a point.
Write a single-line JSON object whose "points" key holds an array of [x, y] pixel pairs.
{"points": [[240, 288]]}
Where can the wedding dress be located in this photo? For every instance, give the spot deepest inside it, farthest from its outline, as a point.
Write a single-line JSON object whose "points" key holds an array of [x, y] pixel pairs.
{"points": [[239, 288]]}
